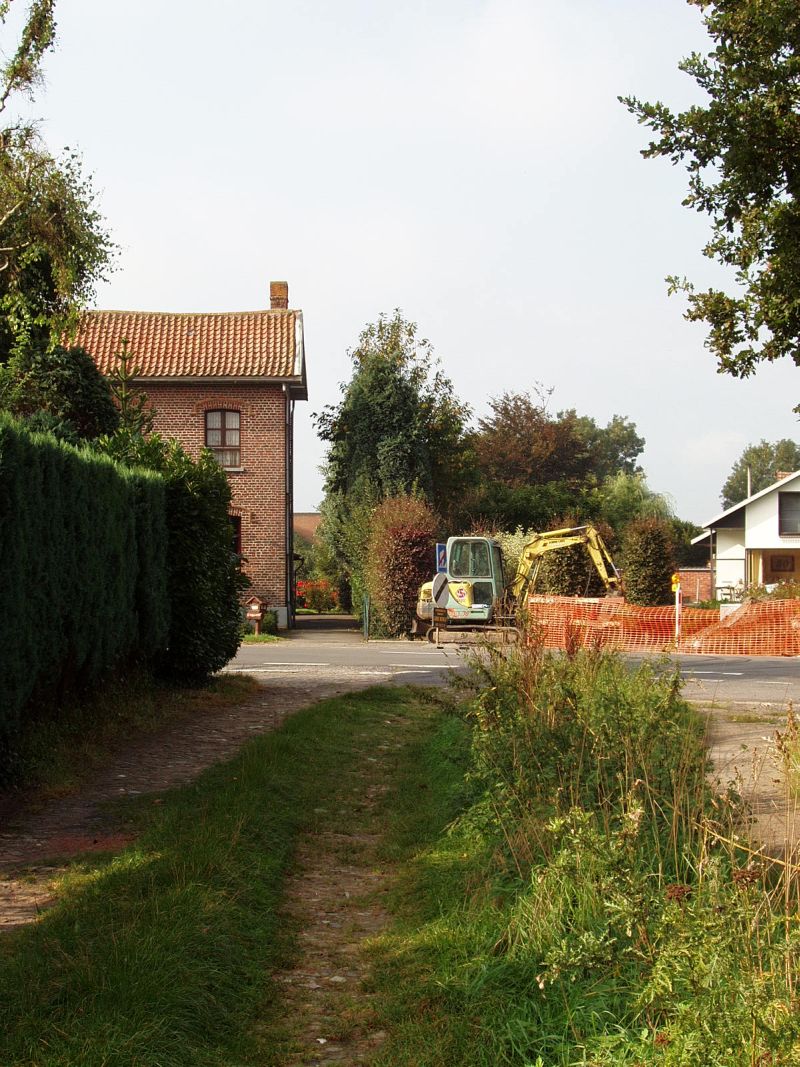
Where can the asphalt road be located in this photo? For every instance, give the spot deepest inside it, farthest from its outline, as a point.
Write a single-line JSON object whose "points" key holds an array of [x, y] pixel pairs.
{"points": [[332, 648]]}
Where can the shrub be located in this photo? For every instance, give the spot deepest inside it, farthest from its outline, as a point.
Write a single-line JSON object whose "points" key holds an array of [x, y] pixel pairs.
{"points": [[204, 579], [319, 596], [83, 569], [570, 571], [648, 562], [512, 545], [399, 559], [269, 624], [58, 389]]}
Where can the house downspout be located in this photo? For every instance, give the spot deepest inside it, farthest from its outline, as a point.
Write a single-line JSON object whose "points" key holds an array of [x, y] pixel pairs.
{"points": [[289, 517]]}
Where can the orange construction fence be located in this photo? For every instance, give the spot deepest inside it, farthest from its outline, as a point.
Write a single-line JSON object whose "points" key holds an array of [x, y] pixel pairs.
{"points": [[759, 628]]}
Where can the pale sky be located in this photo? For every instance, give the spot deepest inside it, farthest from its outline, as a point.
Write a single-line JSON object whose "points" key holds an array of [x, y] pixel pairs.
{"points": [[464, 160]]}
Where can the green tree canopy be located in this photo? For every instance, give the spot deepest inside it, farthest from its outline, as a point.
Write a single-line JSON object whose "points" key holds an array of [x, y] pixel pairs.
{"points": [[399, 426], [764, 460], [399, 429], [519, 443], [60, 390], [53, 247], [624, 497], [740, 149]]}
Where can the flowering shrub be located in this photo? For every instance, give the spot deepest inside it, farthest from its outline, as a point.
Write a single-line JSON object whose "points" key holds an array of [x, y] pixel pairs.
{"points": [[318, 594]]}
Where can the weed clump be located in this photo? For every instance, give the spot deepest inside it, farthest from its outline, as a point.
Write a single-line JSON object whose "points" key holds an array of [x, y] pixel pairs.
{"points": [[605, 911]]}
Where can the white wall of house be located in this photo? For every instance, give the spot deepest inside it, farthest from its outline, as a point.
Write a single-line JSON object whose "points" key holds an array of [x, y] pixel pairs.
{"points": [[757, 551], [730, 557], [761, 525]]}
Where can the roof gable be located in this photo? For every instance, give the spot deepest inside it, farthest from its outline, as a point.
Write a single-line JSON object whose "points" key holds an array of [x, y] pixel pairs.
{"points": [[239, 345], [724, 516]]}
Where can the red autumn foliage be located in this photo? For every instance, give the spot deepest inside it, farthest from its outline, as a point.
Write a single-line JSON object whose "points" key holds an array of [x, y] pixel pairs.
{"points": [[400, 558]]}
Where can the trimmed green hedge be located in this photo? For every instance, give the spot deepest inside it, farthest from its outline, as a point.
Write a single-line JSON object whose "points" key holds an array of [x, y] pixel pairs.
{"points": [[83, 570]]}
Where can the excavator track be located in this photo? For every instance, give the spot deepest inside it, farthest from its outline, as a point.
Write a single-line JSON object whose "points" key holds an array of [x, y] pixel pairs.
{"points": [[474, 635]]}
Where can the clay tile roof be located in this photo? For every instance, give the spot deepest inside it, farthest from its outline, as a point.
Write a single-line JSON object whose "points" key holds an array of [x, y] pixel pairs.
{"points": [[242, 344]]}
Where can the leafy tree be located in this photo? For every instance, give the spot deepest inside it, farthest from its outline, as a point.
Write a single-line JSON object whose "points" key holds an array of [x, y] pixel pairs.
{"points": [[520, 443], [686, 554], [497, 506], [399, 425], [763, 461], [613, 449], [624, 497], [53, 247], [648, 561], [60, 390], [399, 429], [741, 153], [204, 576], [534, 467]]}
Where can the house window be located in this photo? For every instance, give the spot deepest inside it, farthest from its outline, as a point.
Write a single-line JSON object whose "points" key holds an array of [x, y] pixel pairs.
{"points": [[789, 514], [222, 437]]}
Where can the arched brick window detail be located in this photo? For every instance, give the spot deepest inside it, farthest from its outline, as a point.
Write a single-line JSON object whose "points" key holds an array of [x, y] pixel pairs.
{"points": [[222, 436], [236, 533]]}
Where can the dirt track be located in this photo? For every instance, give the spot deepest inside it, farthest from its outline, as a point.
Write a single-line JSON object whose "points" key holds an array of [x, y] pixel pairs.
{"points": [[36, 840]]}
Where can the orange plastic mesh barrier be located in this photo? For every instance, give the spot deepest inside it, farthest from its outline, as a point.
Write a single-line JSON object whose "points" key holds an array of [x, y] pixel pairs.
{"points": [[768, 628]]}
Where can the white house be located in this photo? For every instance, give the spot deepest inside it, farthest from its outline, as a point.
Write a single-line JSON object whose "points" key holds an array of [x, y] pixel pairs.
{"points": [[757, 541]]}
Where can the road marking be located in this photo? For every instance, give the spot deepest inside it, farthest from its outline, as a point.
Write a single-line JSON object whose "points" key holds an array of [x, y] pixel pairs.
{"points": [[429, 671], [375, 674], [262, 670], [295, 663], [430, 666], [723, 674]]}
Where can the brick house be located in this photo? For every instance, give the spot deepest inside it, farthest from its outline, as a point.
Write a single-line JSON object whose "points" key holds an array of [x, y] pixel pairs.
{"points": [[227, 382]]}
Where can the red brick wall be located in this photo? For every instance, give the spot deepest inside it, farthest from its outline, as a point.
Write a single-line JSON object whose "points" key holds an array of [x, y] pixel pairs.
{"points": [[259, 489], [696, 583]]}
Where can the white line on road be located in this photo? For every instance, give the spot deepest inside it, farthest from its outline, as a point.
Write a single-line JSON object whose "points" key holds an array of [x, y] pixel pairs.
{"points": [[404, 671], [375, 674], [429, 666], [261, 670], [722, 674], [295, 663]]}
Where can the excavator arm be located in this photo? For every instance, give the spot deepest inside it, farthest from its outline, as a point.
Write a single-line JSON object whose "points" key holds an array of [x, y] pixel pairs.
{"points": [[552, 540]]}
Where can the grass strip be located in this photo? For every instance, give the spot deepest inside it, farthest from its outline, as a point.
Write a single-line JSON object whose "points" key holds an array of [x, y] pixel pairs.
{"points": [[161, 956]]}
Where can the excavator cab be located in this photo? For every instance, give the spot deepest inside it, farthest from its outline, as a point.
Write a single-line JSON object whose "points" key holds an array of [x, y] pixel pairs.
{"points": [[475, 584], [475, 581]]}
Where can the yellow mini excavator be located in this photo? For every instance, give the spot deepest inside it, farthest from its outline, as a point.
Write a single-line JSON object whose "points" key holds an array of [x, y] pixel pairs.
{"points": [[472, 595]]}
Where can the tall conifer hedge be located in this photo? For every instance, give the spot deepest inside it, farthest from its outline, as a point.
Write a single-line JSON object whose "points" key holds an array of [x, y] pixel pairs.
{"points": [[83, 570]]}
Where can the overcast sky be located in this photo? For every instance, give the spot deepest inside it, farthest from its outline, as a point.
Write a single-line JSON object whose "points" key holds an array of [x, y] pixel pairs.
{"points": [[464, 160]]}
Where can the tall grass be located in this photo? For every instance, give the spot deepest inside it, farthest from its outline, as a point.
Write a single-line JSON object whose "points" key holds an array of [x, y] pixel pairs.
{"points": [[599, 906]]}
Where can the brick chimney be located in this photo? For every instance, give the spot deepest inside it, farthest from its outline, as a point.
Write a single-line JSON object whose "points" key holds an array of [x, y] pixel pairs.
{"points": [[278, 295], [780, 475]]}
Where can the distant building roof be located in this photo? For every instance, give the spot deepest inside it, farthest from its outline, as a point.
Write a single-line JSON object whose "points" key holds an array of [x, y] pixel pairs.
{"points": [[306, 524], [240, 345]]}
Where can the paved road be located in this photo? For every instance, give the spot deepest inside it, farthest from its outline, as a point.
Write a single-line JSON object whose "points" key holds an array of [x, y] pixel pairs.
{"points": [[332, 647]]}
